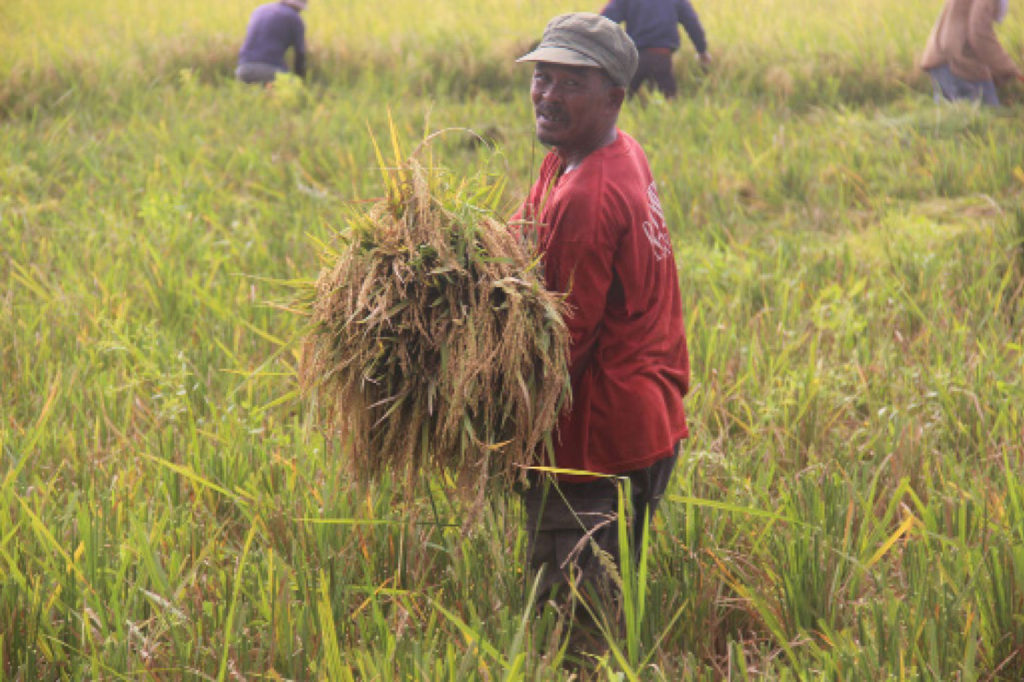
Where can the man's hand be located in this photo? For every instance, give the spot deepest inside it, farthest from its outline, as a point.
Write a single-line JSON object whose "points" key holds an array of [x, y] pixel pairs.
{"points": [[704, 59]]}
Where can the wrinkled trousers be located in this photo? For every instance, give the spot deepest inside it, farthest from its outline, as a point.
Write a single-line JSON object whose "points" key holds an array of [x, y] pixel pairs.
{"points": [[947, 85], [256, 72], [571, 525], [655, 65]]}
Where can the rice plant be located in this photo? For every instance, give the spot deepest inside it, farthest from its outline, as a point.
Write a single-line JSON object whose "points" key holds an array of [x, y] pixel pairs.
{"points": [[435, 346], [847, 507]]}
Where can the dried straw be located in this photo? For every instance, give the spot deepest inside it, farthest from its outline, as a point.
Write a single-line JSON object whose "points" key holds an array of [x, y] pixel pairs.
{"points": [[436, 345]]}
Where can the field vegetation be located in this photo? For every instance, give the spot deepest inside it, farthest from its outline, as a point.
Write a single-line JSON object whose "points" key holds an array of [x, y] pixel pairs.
{"points": [[850, 505]]}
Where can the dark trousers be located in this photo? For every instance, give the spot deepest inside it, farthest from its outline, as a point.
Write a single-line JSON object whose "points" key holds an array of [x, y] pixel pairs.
{"points": [[566, 522], [656, 66]]}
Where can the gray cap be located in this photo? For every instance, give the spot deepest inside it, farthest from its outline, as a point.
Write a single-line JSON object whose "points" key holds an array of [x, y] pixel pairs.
{"points": [[587, 39]]}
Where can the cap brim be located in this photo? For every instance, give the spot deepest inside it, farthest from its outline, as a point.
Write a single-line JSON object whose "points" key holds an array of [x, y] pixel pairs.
{"points": [[559, 55]]}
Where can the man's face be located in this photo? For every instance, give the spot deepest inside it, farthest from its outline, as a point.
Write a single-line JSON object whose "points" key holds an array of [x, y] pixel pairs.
{"points": [[575, 108]]}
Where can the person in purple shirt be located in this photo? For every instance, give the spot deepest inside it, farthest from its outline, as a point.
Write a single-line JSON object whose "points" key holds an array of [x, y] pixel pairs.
{"points": [[273, 28], [654, 27]]}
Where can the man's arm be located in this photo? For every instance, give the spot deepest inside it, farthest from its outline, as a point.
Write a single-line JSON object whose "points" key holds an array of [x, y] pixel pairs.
{"points": [[615, 10], [300, 52], [580, 262], [981, 35], [691, 23], [588, 284]]}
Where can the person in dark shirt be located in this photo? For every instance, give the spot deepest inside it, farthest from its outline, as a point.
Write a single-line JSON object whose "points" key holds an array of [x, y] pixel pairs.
{"points": [[654, 27], [273, 28]]}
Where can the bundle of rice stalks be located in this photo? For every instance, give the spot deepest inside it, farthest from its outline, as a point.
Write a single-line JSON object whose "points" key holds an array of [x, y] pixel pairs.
{"points": [[435, 345]]}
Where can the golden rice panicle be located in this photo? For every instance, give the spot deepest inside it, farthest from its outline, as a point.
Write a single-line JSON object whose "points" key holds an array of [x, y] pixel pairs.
{"points": [[434, 344]]}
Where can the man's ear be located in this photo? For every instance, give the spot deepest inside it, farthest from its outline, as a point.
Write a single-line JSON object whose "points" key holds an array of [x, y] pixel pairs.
{"points": [[616, 96]]}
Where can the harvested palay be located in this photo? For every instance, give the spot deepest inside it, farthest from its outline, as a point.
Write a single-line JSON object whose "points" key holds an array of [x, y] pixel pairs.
{"points": [[435, 345]]}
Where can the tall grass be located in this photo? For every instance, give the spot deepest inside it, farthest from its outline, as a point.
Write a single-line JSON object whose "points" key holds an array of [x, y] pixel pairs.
{"points": [[848, 506], [802, 52]]}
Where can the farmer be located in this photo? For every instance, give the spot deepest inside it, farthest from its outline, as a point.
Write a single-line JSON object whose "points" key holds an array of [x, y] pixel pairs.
{"points": [[598, 225], [654, 27], [963, 56], [273, 28]]}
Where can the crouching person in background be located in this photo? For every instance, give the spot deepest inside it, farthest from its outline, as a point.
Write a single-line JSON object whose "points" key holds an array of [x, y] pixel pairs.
{"points": [[963, 55], [273, 29]]}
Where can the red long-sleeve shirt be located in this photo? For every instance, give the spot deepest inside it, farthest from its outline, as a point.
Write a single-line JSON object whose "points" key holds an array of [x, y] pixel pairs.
{"points": [[600, 230]]}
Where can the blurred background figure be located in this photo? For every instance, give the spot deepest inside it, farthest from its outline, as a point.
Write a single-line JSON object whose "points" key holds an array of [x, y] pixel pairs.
{"points": [[963, 55], [273, 28], [654, 27]]}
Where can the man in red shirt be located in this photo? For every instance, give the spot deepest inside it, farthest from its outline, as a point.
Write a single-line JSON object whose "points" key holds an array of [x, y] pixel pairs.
{"points": [[599, 227]]}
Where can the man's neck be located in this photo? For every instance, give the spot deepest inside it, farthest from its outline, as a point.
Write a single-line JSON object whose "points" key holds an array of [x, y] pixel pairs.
{"points": [[573, 162]]}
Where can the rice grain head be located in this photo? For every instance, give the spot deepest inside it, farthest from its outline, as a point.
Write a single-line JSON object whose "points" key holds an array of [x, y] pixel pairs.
{"points": [[435, 345]]}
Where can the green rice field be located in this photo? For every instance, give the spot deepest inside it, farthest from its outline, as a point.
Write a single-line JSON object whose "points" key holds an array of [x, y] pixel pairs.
{"points": [[849, 506]]}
